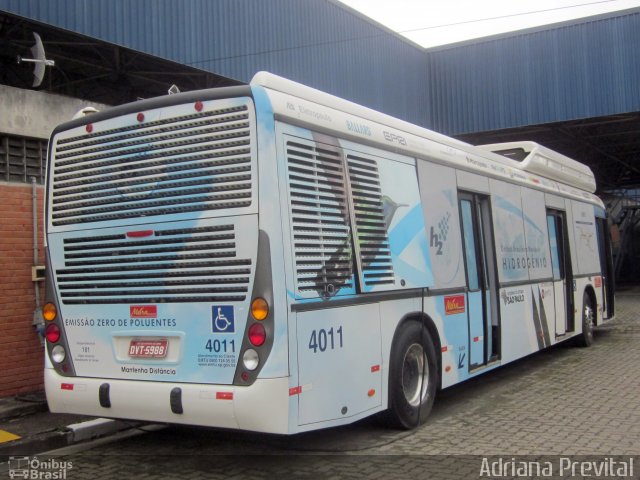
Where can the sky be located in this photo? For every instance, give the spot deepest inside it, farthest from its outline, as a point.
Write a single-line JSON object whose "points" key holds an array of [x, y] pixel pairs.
{"points": [[439, 22]]}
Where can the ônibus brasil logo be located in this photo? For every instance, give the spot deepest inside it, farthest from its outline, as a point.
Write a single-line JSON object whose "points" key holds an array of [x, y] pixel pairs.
{"points": [[143, 311], [27, 467]]}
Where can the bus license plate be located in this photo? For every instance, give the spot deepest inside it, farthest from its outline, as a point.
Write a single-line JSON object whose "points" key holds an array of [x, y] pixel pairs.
{"points": [[148, 348]]}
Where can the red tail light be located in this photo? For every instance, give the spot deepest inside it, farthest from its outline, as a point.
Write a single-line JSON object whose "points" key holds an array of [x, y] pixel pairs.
{"points": [[52, 333], [257, 334]]}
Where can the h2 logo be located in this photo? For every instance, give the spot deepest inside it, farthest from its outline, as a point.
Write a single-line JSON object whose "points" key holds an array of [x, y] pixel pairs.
{"points": [[438, 238], [436, 242]]}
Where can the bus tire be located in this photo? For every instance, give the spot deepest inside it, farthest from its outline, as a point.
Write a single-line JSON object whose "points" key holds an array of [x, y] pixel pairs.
{"points": [[413, 363], [585, 339]]}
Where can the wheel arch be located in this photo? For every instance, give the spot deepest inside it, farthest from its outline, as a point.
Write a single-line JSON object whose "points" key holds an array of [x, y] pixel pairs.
{"points": [[589, 290]]}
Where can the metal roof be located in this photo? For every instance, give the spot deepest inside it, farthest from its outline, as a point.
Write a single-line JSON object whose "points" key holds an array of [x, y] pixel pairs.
{"points": [[579, 69], [316, 42], [572, 87]]}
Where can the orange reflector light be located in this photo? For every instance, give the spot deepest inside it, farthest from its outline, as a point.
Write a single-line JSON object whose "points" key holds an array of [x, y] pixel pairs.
{"points": [[259, 308], [198, 106], [371, 392], [140, 117], [295, 391], [49, 311], [447, 368]]}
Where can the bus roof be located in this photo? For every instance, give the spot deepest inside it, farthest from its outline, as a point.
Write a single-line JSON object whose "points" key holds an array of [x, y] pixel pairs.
{"points": [[535, 159], [548, 163]]}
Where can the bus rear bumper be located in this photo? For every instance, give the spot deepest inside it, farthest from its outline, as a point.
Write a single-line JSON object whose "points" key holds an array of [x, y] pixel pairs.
{"points": [[262, 407]]}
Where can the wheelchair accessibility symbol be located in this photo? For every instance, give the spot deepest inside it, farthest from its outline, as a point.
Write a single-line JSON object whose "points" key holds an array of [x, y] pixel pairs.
{"points": [[223, 319]]}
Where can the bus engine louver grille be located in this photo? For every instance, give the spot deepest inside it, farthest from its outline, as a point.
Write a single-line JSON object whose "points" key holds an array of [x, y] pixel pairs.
{"points": [[179, 265], [320, 219], [188, 163], [372, 242]]}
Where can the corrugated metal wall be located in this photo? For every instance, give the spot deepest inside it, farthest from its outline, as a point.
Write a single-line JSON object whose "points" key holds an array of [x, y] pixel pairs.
{"points": [[574, 71], [315, 42], [578, 70]]}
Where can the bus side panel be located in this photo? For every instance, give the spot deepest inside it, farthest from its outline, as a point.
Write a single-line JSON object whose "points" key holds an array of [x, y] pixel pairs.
{"points": [[586, 245], [438, 192], [546, 308], [509, 233], [582, 228], [339, 361], [518, 329]]}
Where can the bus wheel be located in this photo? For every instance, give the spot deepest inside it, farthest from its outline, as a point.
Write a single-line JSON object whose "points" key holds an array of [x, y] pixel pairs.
{"points": [[588, 320], [412, 377]]}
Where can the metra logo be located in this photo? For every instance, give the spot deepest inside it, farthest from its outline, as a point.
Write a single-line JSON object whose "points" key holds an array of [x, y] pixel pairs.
{"points": [[454, 304], [512, 297], [143, 311], [358, 128]]}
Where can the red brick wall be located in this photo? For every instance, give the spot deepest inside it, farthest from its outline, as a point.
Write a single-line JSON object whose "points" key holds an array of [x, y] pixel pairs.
{"points": [[21, 353]]}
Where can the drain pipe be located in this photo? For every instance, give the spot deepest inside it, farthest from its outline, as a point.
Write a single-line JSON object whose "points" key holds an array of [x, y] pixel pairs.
{"points": [[38, 320]]}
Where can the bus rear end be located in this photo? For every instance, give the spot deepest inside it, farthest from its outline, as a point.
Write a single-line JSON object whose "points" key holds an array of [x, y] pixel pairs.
{"points": [[153, 307]]}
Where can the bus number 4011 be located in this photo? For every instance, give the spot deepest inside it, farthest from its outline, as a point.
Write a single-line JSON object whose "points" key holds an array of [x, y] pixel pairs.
{"points": [[218, 346], [323, 339]]}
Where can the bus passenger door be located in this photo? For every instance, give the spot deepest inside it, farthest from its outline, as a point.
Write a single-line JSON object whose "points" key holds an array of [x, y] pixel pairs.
{"points": [[562, 272], [606, 267], [484, 338]]}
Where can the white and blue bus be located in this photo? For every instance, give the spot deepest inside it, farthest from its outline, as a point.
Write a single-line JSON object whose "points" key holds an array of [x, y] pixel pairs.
{"points": [[273, 258]]}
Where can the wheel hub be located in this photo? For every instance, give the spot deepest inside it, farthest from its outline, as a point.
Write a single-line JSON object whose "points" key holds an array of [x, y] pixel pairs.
{"points": [[415, 375]]}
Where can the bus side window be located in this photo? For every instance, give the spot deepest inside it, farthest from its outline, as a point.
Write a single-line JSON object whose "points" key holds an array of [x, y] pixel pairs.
{"points": [[469, 245], [553, 245]]}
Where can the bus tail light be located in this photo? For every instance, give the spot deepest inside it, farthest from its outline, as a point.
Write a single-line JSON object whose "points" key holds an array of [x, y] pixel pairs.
{"points": [[257, 335], [259, 308], [250, 359], [58, 354], [52, 333], [49, 312], [259, 328]]}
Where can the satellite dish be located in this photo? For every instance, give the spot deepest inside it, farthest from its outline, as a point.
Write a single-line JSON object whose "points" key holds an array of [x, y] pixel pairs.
{"points": [[40, 60]]}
